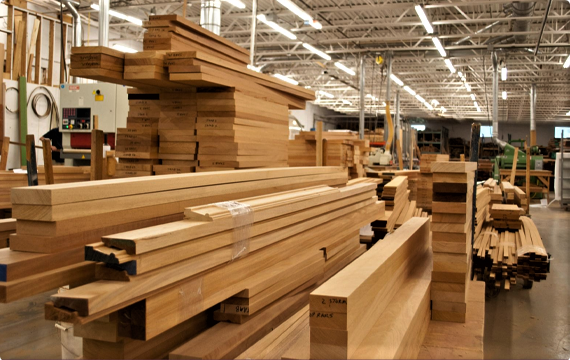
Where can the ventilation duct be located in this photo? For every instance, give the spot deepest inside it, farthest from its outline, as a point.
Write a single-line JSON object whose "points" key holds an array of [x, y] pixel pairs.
{"points": [[211, 15]]}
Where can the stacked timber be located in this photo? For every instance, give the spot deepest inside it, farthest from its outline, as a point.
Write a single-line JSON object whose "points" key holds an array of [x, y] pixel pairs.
{"points": [[99, 63], [412, 176], [508, 192], [496, 195], [47, 250], [378, 307], [483, 198], [375, 136], [504, 256], [425, 179], [490, 183], [506, 216], [7, 227], [520, 197], [451, 238], [147, 66], [395, 195], [247, 247]]}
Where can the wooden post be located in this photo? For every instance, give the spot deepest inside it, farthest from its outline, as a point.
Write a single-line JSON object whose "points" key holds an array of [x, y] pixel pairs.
{"points": [[17, 69], [51, 53], [9, 41], [319, 137], [95, 122], [533, 138], [527, 180], [514, 167], [97, 139], [48, 163], [399, 150], [32, 47], [462, 157], [31, 165], [4, 155], [62, 65], [23, 115], [2, 107], [38, 69], [184, 8]]}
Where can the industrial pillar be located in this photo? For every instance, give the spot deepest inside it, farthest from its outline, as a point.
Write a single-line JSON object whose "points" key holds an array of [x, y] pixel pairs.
{"points": [[211, 15], [495, 62], [104, 22], [362, 83], [533, 115], [397, 116], [388, 117], [253, 32]]}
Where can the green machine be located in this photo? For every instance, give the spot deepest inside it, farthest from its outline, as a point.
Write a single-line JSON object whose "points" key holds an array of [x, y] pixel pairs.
{"points": [[505, 161]]}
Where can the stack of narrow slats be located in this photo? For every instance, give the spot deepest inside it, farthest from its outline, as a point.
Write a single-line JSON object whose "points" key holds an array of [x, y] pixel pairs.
{"points": [[179, 270], [302, 153], [506, 216], [533, 262], [482, 205], [496, 195], [378, 306], [236, 131], [451, 238], [425, 181], [49, 243], [520, 197], [395, 194], [508, 192], [413, 176], [147, 66]]}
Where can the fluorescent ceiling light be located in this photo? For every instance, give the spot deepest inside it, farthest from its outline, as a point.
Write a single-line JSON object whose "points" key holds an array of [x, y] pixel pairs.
{"points": [[317, 25], [473, 97], [567, 62], [504, 73], [301, 13], [449, 66], [308, 87], [326, 94], [504, 95], [421, 99], [396, 80], [276, 27], [287, 79], [475, 103], [442, 109], [478, 109], [236, 3], [468, 87], [408, 89], [434, 102], [428, 106], [438, 46], [124, 49], [346, 102], [254, 68], [120, 15], [344, 68], [316, 51], [424, 19], [460, 74]]}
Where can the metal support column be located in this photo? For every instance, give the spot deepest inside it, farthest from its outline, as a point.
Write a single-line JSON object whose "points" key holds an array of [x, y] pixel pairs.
{"points": [[362, 84], [533, 115], [253, 32], [104, 22], [474, 157]]}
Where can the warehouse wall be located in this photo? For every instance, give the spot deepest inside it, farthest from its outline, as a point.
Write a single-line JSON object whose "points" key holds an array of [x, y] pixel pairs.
{"points": [[462, 129], [307, 115]]}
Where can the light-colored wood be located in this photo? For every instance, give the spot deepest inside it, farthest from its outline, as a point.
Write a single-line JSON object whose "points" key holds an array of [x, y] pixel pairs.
{"points": [[20, 32], [399, 150], [5, 150], [97, 140], [32, 47], [63, 72], [453, 167], [38, 57], [514, 167], [319, 138]]}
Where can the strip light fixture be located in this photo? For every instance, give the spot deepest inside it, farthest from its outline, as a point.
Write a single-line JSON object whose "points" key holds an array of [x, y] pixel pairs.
{"points": [[438, 46], [326, 94], [236, 3], [504, 73], [344, 68], [124, 49], [420, 99], [423, 17], [409, 90], [300, 13], [567, 62], [396, 80], [286, 78], [121, 16], [274, 26], [346, 102], [450, 66], [473, 97], [314, 50], [504, 95], [468, 87]]}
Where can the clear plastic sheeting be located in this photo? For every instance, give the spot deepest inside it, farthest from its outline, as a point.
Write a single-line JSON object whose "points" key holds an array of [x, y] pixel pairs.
{"points": [[243, 219]]}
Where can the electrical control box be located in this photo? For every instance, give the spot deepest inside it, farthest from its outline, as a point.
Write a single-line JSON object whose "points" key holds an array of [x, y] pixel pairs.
{"points": [[80, 102]]}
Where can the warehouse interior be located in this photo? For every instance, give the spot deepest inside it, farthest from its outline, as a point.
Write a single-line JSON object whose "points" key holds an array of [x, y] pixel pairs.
{"points": [[289, 179]]}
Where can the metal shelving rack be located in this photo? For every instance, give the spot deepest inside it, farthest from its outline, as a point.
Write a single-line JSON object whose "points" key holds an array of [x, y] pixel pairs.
{"points": [[564, 173]]}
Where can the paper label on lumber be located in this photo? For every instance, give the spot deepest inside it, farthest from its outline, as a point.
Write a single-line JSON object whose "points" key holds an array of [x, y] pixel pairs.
{"points": [[242, 216]]}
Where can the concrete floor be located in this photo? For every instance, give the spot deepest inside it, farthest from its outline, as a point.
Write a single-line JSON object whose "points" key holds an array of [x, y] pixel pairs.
{"points": [[535, 323]]}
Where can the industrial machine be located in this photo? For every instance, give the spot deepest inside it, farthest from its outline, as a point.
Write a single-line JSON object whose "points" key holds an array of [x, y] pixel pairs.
{"points": [[380, 156], [78, 104], [505, 161]]}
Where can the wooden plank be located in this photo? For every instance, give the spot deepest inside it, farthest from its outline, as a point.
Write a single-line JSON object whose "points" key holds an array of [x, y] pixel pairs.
{"points": [[453, 167], [63, 72], [38, 56], [514, 167], [97, 139], [344, 295], [319, 137], [48, 165], [33, 46], [51, 52], [20, 32]]}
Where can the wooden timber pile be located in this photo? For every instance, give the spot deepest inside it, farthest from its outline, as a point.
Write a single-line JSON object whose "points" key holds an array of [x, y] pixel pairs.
{"points": [[7, 227], [395, 195], [240, 251], [506, 216], [61, 175], [482, 205], [425, 179], [451, 238], [412, 176], [47, 250], [504, 256], [520, 198], [339, 149], [378, 307], [508, 192]]}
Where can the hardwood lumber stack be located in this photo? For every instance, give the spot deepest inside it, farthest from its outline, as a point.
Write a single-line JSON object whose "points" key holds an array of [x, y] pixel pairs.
{"points": [[505, 255], [425, 179], [413, 176], [506, 216], [216, 275], [451, 238], [7, 227], [236, 131], [48, 239], [378, 306], [496, 195], [520, 198], [508, 192], [483, 199], [396, 196]]}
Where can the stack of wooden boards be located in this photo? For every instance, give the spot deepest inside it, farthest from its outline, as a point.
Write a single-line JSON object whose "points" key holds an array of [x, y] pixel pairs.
{"points": [[395, 195], [504, 256], [7, 227], [160, 277], [451, 238], [48, 247], [61, 174], [483, 198], [508, 192], [378, 307], [424, 182], [339, 149], [506, 216]]}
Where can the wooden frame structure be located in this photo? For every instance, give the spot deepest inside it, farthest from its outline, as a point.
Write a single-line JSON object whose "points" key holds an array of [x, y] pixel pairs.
{"points": [[542, 175], [19, 55]]}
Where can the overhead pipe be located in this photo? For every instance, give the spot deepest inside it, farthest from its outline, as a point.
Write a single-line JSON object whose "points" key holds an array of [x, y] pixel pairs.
{"points": [[253, 32], [104, 22], [519, 10], [533, 115], [488, 27], [361, 119], [211, 15], [77, 30], [495, 137]]}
